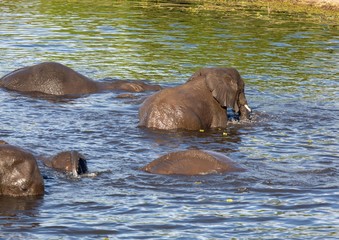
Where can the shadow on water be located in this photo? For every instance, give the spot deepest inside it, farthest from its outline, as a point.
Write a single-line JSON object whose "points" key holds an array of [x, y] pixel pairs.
{"points": [[174, 140], [19, 215], [11, 206]]}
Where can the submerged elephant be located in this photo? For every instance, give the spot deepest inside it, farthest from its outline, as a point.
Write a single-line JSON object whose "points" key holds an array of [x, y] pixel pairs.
{"points": [[192, 162], [57, 79], [19, 172], [69, 161], [200, 103]]}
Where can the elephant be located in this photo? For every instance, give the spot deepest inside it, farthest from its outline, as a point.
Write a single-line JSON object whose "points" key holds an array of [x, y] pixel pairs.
{"points": [[191, 162], [19, 172], [68, 161], [20, 175], [54, 78], [200, 103]]}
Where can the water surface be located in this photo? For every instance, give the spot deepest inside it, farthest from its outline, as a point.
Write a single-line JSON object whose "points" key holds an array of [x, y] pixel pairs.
{"points": [[290, 149]]}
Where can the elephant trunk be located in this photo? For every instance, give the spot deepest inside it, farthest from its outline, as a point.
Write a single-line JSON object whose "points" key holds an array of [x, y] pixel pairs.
{"points": [[244, 109]]}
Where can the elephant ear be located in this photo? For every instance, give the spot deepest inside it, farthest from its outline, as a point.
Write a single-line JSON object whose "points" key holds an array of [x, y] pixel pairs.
{"points": [[224, 87]]}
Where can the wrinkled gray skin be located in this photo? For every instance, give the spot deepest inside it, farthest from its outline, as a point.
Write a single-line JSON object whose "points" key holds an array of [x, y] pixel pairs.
{"points": [[200, 103], [19, 172], [192, 162], [69, 161], [56, 79]]}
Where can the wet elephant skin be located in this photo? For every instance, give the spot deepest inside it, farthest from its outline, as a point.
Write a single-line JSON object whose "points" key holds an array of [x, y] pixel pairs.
{"points": [[68, 161], [200, 103], [192, 162], [57, 79], [19, 172]]}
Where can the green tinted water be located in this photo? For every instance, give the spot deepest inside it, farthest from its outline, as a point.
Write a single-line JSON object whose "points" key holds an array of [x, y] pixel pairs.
{"points": [[290, 149]]}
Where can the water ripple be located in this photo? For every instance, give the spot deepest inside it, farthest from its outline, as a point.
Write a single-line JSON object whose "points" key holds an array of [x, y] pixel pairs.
{"points": [[289, 149]]}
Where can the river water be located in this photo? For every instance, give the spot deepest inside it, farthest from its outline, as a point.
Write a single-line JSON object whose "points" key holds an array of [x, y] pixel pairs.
{"points": [[290, 189]]}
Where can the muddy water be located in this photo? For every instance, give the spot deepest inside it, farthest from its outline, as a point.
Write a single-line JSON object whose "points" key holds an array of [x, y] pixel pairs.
{"points": [[290, 149]]}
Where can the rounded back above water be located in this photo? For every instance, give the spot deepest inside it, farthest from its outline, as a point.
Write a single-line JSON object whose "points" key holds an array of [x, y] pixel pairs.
{"points": [[49, 78], [192, 162], [19, 172]]}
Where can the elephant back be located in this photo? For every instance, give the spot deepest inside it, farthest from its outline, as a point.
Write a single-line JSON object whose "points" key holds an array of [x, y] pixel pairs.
{"points": [[19, 172], [49, 78], [191, 162]]}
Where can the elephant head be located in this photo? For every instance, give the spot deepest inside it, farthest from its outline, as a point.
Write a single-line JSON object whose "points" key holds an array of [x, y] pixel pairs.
{"points": [[69, 161], [19, 172], [227, 87]]}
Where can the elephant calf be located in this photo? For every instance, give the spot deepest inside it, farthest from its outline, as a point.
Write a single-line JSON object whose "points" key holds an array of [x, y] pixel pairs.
{"points": [[200, 103], [192, 162], [57, 79], [69, 161]]}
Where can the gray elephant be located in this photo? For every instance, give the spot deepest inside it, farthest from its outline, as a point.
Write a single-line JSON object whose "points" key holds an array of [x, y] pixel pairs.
{"points": [[57, 79], [200, 103], [192, 162], [19, 172]]}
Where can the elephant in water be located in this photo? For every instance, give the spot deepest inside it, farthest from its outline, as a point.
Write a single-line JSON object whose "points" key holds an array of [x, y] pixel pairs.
{"points": [[192, 162], [200, 103], [19, 172], [69, 161], [57, 79], [20, 175]]}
